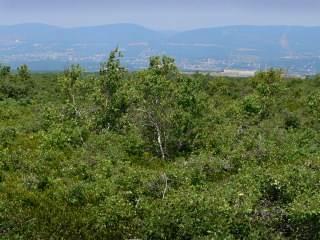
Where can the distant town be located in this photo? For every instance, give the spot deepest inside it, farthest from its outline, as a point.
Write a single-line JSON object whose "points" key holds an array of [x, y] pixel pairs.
{"points": [[218, 50]]}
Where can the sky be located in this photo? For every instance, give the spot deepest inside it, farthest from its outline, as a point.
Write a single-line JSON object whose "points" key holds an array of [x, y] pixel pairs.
{"points": [[161, 14]]}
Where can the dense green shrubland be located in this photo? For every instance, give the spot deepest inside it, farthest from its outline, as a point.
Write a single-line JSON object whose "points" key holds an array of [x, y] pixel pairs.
{"points": [[156, 154]]}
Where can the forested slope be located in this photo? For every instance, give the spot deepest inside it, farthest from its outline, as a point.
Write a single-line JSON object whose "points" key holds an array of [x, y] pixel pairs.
{"points": [[156, 154]]}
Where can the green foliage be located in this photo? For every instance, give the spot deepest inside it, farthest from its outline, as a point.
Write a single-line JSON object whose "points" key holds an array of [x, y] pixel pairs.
{"points": [[108, 100], [163, 65], [314, 104], [268, 83], [23, 72], [167, 110], [4, 71], [156, 154], [15, 86]]}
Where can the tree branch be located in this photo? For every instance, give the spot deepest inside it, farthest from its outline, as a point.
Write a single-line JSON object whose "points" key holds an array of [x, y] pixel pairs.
{"points": [[165, 178]]}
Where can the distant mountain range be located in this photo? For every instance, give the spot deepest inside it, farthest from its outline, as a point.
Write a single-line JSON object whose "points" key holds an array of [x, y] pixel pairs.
{"points": [[46, 47]]}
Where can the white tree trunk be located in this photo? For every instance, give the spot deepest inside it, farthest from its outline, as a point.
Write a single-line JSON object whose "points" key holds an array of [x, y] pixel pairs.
{"points": [[160, 141]]}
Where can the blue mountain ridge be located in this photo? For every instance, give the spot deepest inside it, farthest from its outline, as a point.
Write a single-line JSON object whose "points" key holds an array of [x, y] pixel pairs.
{"points": [[249, 46]]}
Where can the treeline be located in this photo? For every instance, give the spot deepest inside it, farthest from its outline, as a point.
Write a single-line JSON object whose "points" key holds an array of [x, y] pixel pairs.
{"points": [[157, 154]]}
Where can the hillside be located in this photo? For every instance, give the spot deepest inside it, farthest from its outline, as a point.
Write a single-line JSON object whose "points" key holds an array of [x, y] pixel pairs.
{"points": [[156, 154]]}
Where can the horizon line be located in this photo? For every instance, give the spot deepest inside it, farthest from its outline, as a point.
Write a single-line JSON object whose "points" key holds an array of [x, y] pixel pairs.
{"points": [[128, 23]]}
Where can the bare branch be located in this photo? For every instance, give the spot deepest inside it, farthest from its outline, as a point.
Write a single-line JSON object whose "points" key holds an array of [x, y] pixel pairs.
{"points": [[165, 179]]}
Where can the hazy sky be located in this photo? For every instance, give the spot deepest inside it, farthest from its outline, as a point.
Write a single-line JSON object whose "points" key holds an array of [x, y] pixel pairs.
{"points": [[161, 14]]}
